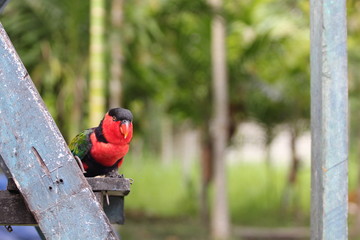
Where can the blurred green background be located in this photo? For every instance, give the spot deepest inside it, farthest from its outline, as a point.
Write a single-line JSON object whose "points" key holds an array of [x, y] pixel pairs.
{"points": [[156, 61]]}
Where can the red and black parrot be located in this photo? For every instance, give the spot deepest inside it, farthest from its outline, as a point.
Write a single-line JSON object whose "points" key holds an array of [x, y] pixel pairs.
{"points": [[102, 149]]}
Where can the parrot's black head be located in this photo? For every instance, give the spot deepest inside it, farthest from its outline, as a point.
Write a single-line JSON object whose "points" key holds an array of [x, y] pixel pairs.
{"points": [[120, 114]]}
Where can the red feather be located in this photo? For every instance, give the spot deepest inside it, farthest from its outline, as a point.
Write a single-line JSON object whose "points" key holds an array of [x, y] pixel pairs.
{"points": [[107, 153], [117, 145]]}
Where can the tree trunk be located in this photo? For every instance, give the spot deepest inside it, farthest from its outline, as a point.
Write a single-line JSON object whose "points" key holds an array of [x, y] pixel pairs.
{"points": [[354, 200], [206, 177], [220, 223], [354, 195], [294, 158], [269, 136], [97, 62], [166, 141], [116, 54], [290, 200]]}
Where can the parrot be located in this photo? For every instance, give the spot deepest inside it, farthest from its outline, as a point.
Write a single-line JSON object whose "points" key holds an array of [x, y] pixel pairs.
{"points": [[101, 149]]}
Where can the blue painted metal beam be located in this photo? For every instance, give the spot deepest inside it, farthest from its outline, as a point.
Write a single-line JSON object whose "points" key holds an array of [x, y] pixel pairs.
{"points": [[329, 121], [39, 160]]}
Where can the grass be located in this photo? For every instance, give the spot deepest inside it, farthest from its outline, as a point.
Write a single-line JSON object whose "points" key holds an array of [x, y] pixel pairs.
{"points": [[158, 190], [162, 205], [255, 193], [259, 196]]}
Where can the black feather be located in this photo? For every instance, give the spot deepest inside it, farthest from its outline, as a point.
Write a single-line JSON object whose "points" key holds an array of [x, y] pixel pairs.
{"points": [[121, 114]]}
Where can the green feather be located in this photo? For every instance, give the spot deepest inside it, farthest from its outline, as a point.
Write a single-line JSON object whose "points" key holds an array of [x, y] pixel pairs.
{"points": [[81, 145]]}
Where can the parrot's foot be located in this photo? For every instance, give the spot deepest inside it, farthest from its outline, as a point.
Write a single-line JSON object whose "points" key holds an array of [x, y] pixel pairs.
{"points": [[114, 174]]}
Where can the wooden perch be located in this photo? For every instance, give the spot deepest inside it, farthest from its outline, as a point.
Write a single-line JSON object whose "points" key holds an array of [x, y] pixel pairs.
{"points": [[119, 186], [15, 212]]}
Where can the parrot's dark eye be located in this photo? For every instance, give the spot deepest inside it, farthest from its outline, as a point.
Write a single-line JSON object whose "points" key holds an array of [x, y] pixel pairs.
{"points": [[114, 118]]}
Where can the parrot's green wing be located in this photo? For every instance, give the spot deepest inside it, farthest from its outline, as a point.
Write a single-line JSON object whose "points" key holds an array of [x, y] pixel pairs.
{"points": [[81, 145]]}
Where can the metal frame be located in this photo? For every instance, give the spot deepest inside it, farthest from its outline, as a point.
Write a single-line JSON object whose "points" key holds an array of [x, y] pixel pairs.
{"points": [[329, 120]]}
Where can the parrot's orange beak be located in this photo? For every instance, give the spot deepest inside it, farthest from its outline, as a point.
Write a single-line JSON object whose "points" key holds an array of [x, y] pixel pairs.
{"points": [[125, 128]]}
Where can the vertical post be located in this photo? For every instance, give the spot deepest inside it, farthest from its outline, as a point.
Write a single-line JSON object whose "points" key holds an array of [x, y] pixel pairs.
{"points": [[329, 123]]}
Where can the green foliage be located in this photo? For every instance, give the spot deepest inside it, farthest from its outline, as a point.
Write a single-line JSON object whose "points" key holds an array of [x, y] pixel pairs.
{"points": [[159, 191], [268, 53], [255, 193], [166, 67], [51, 37]]}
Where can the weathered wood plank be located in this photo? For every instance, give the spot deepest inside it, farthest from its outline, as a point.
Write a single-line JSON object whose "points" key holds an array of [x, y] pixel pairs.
{"points": [[115, 186], [119, 186], [329, 127], [14, 211], [37, 156]]}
